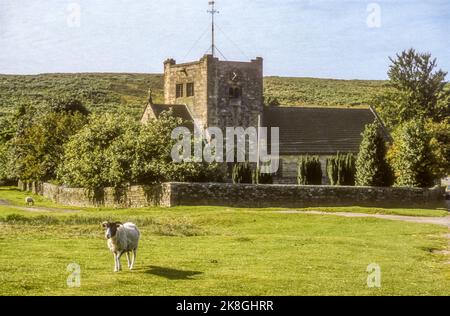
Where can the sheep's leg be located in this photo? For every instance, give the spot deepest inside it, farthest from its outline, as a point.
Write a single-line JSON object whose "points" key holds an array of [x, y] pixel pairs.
{"points": [[119, 266], [128, 259], [133, 259], [115, 263]]}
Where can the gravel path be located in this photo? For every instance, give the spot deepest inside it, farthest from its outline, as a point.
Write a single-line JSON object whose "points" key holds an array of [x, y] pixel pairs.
{"points": [[36, 209], [444, 221]]}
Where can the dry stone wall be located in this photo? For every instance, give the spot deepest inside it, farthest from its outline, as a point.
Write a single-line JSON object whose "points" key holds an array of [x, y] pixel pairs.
{"points": [[239, 195]]}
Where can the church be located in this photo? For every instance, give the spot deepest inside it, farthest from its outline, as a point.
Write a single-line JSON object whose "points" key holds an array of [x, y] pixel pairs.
{"points": [[211, 92], [216, 93]]}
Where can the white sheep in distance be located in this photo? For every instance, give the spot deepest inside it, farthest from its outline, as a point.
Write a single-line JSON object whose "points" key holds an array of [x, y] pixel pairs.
{"points": [[122, 238], [29, 201]]}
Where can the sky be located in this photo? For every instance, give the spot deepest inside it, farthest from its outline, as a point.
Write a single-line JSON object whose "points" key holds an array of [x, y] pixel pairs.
{"points": [[342, 39]]}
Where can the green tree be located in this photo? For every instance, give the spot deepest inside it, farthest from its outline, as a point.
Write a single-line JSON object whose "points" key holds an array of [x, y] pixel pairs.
{"points": [[341, 169], [153, 161], [372, 169], [67, 104], [5, 163], [309, 170], [416, 90], [440, 146], [115, 151], [242, 173], [411, 156], [37, 149], [260, 177], [100, 154], [271, 101]]}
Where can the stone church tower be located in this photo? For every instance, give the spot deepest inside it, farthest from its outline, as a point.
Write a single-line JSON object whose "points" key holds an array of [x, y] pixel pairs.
{"points": [[217, 93]]}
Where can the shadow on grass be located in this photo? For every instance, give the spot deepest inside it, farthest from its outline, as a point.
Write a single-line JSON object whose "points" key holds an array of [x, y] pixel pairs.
{"points": [[172, 274]]}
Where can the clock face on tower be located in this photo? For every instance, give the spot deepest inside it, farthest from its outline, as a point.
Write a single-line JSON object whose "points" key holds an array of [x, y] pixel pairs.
{"points": [[235, 75]]}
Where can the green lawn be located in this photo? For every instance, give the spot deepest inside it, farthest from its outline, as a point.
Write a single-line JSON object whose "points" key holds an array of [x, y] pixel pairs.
{"points": [[219, 251]]}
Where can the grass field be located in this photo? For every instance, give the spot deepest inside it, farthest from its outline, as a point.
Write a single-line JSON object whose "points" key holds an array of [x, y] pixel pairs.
{"points": [[218, 251]]}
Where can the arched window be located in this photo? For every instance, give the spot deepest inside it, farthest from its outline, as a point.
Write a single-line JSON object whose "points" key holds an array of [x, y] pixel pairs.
{"points": [[235, 92]]}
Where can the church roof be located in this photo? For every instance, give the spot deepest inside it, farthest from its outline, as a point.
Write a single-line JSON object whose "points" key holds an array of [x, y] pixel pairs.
{"points": [[318, 130], [179, 110]]}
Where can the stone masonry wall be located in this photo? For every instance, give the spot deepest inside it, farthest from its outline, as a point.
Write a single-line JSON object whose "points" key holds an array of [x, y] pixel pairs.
{"points": [[224, 111], [247, 195], [212, 105], [130, 197], [241, 195], [195, 72]]}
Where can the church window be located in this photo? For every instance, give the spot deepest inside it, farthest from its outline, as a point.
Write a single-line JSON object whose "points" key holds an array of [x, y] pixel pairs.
{"points": [[235, 92], [190, 89], [179, 92]]}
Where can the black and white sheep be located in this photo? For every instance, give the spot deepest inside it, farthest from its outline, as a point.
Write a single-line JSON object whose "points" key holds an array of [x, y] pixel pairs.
{"points": [[122, 238], [29, 201]]}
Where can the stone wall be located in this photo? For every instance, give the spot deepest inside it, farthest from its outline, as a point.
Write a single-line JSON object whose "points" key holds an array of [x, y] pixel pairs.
{"points": [[196, 73], [224, 111], [130, 197], [241, 195], [246, 195]]}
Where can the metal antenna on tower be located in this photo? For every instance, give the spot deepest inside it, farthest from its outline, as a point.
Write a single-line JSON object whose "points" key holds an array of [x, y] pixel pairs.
{"points": [[213, 11]]}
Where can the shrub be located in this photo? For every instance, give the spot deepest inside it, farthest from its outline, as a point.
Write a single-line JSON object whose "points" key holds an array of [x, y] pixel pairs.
{"points": [[116, 151], [262, 178], [309, 171], [411, 156], [271, 101], [100, 155], [341, 169], [242, 173], [440, 145], [372, 169], [38, 148], [5, 164], [153, 160]]}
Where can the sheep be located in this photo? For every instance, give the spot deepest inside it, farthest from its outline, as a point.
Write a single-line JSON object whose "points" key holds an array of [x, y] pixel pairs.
{"points": [[122, 238], [29, 201]]}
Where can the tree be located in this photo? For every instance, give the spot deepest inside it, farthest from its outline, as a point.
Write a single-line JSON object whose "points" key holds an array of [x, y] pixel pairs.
{"points": [[242, 173], [5, 163], [115, 151], [309, 171], [37, 149], [100, 154], [440, 146], [271, 101], [261, 178], [67, 104], [372, 169], [416, 90], [341, 169], [411, 156], [153, 161]]}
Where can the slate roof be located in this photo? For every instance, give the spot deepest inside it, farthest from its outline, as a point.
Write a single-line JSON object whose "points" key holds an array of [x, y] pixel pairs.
{"points": [[319, 131], [179, 110]]}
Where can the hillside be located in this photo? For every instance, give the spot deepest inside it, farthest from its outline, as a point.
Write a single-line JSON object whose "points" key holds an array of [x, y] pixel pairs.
{"points": [[322, 92], [128, 92]]}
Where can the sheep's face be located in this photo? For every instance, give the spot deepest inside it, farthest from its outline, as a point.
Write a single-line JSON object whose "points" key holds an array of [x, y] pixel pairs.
{"points": [[111, 229]]}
